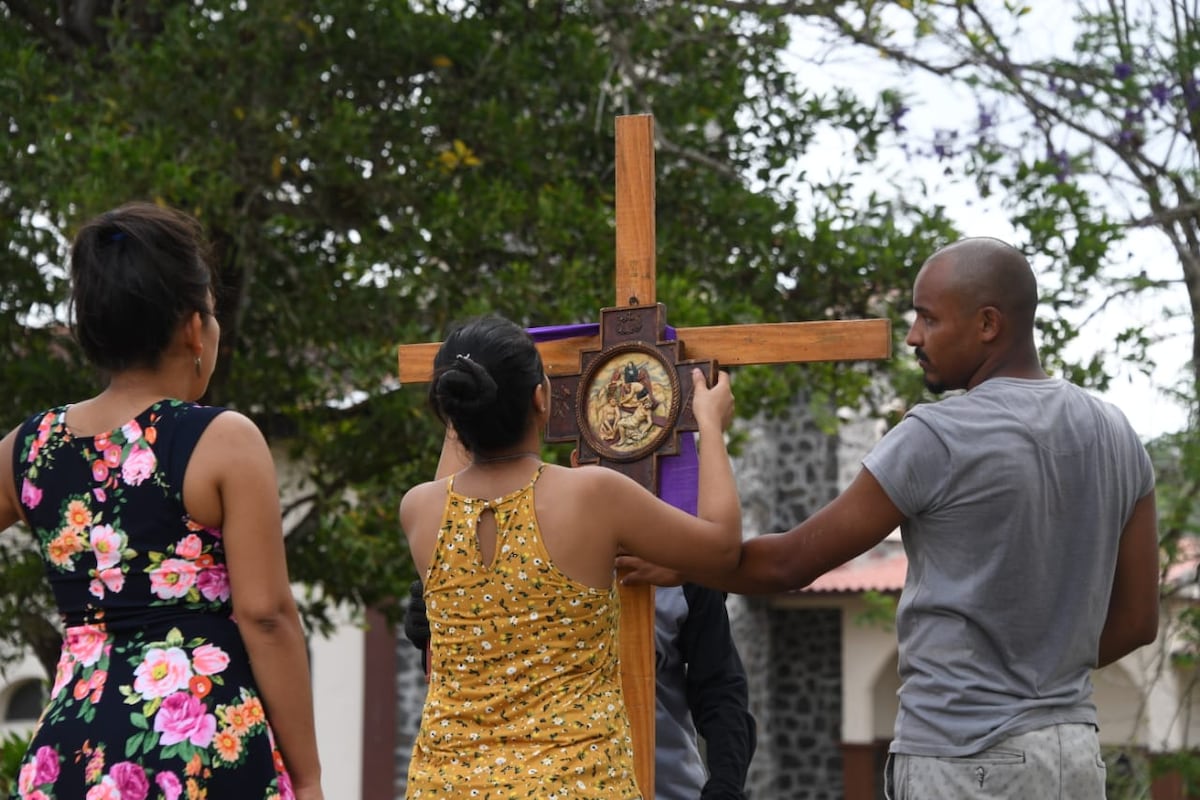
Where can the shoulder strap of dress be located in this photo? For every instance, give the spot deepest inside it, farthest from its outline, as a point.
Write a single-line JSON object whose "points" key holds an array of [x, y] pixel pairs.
{"points": [[186, 427], [493, 502]]}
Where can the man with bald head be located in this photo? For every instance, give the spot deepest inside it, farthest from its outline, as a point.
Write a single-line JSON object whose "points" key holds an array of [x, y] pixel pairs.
{"points": [[1027, 511]]}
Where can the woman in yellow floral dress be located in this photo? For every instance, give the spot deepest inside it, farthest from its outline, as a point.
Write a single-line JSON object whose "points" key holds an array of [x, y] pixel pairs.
{"points": [[517, 558]]}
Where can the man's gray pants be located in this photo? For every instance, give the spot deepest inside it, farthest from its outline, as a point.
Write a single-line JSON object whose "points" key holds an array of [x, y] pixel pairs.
{"points": [[1061, 762]]}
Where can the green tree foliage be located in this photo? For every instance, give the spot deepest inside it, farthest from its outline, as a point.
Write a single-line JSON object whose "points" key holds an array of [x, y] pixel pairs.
{"points": [[371, 170], [12, 750]]}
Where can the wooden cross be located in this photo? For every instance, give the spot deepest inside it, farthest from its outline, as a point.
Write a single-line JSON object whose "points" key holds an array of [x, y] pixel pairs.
{"points": [[732, 345]]}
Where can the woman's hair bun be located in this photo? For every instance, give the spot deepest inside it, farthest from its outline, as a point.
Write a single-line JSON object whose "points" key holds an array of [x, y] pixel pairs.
{"points": [[485, 373], [465, 387]]}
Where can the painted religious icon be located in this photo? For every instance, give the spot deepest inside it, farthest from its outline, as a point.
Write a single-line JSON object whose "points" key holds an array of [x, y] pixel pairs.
{"points": [[630, 399]]}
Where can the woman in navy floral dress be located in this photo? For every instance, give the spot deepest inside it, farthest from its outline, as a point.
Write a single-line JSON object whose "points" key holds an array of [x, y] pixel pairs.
{"points": [[157, 519]]}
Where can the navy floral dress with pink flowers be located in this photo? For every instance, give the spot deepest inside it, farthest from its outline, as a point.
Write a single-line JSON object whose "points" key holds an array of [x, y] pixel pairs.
{"points": [[153, 697]]}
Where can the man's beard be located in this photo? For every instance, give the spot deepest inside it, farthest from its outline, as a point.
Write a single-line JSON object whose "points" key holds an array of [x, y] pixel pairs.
{"points": [[933, 386]]}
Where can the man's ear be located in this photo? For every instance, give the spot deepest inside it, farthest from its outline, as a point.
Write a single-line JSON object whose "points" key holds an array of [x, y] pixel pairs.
{"points": [[991, 322]]}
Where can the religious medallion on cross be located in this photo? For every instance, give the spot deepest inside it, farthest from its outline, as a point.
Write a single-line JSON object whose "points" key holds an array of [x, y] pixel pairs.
{"points": [[630, 398]]}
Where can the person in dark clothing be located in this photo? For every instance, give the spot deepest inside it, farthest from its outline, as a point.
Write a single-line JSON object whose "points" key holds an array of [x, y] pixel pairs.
{"points": [[700, 693]]}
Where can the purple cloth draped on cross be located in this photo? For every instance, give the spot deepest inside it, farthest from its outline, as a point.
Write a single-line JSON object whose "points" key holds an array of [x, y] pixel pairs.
{"points": [[678, 476]]}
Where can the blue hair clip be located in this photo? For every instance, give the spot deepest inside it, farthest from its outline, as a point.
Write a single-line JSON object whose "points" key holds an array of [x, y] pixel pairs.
{"points": [[117, 236]]}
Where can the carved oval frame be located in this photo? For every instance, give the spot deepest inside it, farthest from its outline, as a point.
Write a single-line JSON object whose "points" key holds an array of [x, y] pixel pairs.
{"points": [[596, 385]]}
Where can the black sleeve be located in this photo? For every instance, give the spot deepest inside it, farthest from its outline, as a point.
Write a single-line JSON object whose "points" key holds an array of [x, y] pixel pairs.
{"points": [[416, 624], [717, 693]]}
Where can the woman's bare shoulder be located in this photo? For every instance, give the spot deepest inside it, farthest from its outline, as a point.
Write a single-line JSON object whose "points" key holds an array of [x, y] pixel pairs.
{"points": [[421, 495], [592, 479], [422, 491], [231, 428]]}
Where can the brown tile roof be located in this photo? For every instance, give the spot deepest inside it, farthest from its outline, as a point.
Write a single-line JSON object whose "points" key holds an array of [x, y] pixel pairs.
{"points": [[880, 569]]}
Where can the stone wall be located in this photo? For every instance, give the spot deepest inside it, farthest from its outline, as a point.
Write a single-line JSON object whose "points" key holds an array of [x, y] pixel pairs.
{"points": [[806, 691], [410, 694], [786, 470]]}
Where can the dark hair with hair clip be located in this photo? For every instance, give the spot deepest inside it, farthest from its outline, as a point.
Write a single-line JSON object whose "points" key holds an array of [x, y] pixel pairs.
{"points": [[484, 375], [136, 272]]}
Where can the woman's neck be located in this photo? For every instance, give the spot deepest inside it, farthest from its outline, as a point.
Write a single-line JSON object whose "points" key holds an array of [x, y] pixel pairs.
{"points": [[139, 389], [500, 458], [128, 394]]}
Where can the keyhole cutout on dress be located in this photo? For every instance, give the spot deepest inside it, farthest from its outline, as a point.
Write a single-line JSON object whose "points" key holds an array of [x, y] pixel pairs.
{"points": [[485, 536]]}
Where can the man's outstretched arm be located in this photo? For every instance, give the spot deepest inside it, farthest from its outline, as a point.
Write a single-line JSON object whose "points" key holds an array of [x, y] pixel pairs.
{"points": [[852, 523]]}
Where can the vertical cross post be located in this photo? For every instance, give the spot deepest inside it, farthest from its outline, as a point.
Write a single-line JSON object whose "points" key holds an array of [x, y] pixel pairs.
{"points": [[635, 284]]}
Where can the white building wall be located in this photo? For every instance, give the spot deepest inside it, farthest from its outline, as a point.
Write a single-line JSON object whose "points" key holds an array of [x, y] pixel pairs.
{"points": [[338, 672]]}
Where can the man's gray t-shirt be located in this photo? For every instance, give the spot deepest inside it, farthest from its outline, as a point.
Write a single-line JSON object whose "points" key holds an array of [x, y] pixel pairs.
{"points": [[1016, 494]]}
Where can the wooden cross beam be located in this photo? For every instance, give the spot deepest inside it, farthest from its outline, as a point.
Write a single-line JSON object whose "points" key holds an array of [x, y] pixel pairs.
{"points": [[728, 345]]}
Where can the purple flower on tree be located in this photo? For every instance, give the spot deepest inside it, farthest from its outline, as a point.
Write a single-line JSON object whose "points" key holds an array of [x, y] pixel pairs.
{"points": [[1160, 93], [1127, 137], [1122, 71], [943, 142], [986, 120], [1062, 164]]}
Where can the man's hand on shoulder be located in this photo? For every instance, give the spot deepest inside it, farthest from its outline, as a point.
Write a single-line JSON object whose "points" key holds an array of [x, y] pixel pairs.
{"points": [[634, 571]]}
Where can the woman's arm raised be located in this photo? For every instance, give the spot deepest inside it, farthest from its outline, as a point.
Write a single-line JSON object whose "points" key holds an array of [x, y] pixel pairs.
{"points": [[652, 529]]}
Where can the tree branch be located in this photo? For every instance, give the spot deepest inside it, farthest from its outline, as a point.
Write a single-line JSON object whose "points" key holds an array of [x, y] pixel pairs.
{"points": [[1161, 217], [43, 26], [720, 167]]}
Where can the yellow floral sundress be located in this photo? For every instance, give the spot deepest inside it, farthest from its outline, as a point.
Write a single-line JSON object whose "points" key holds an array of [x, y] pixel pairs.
{"points": [[525, 693]]}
